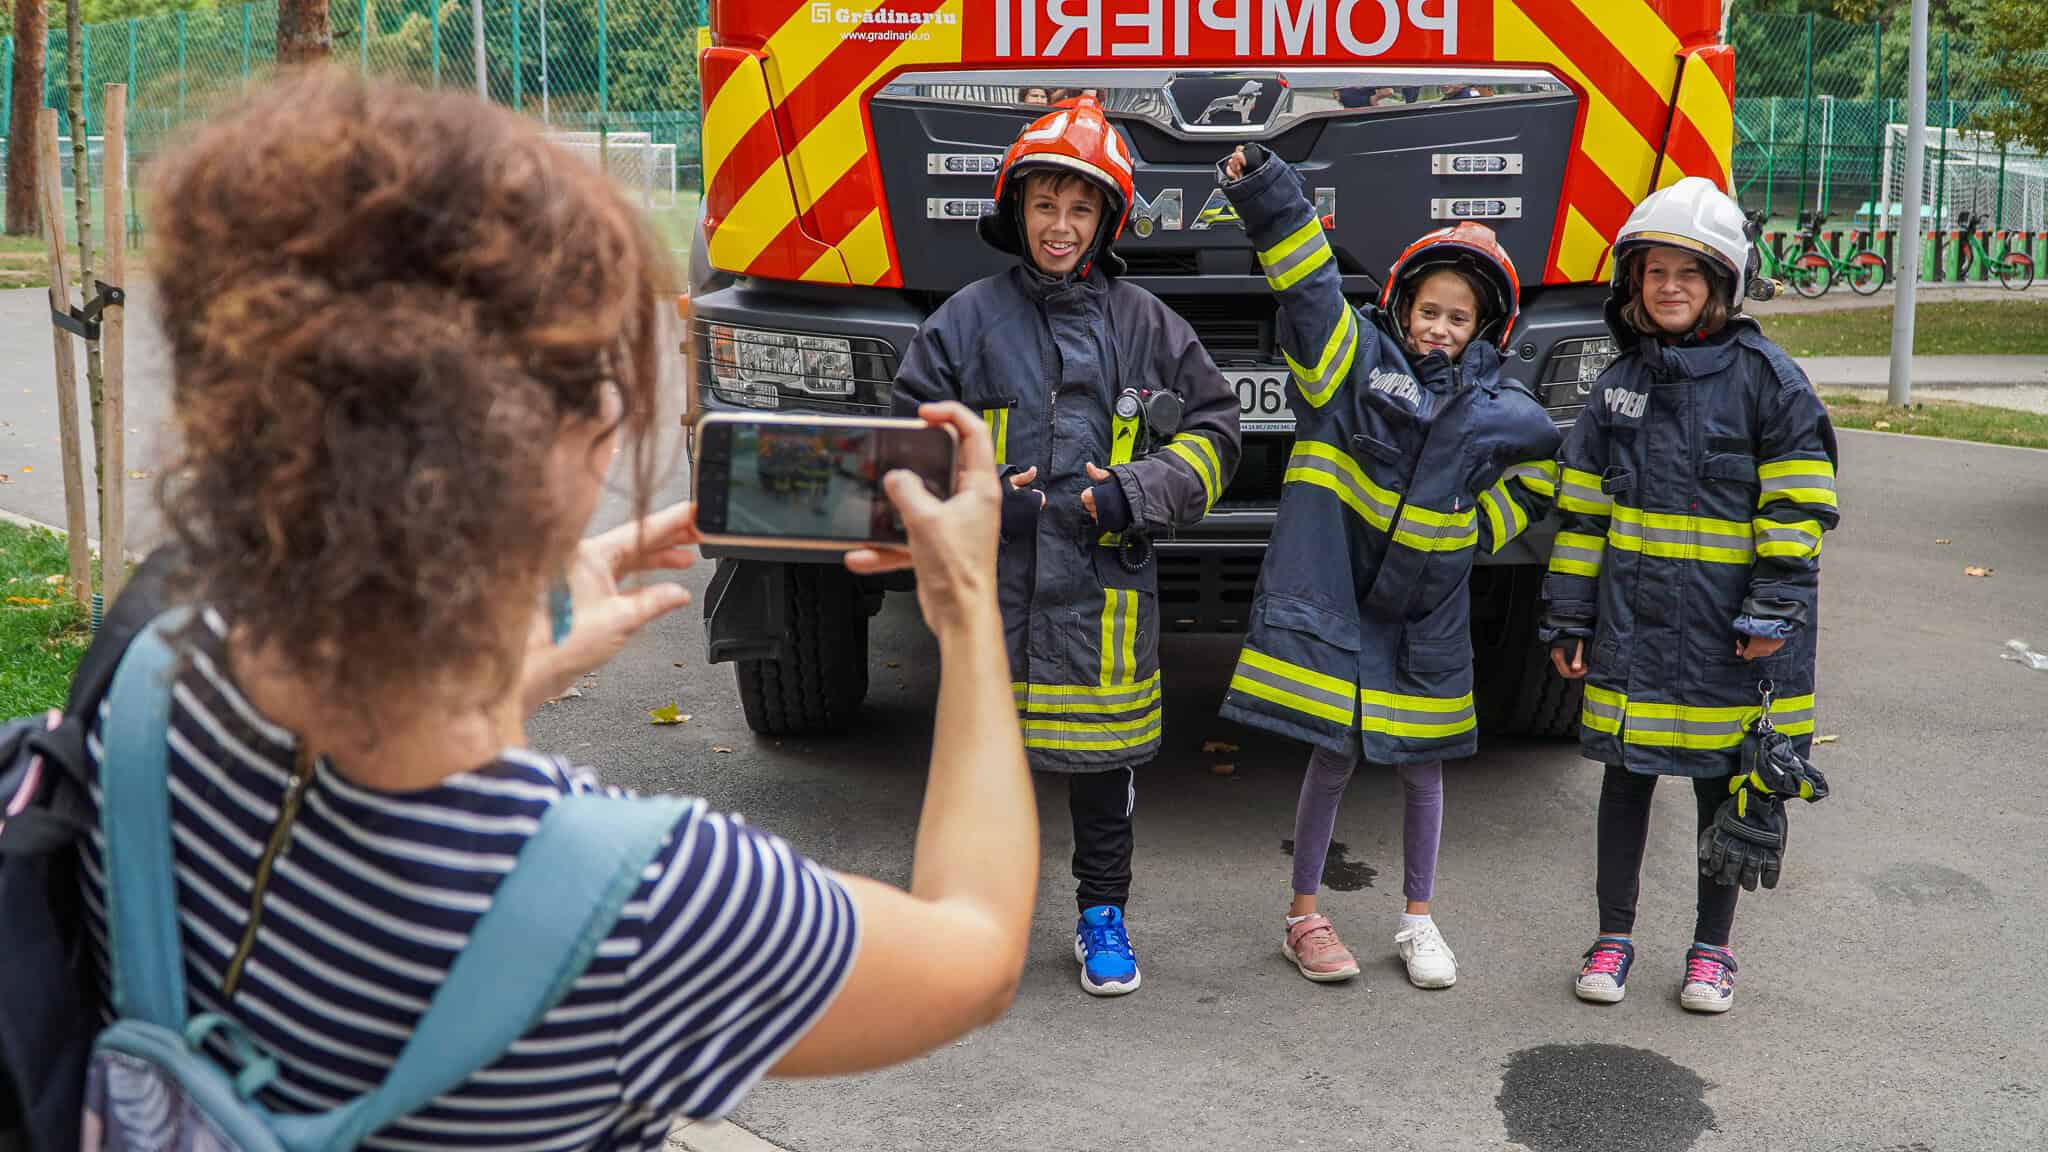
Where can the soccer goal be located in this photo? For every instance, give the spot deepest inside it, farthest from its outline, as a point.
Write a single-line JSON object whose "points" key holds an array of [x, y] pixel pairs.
{"points": [[1969, 172], [643, 166]]}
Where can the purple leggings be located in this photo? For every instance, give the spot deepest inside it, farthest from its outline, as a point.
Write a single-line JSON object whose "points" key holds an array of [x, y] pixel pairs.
{"points": [[1315, 815]]}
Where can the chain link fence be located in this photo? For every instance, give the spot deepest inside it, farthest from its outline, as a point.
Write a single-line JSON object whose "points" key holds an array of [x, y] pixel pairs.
{"points": [[616, 79]]}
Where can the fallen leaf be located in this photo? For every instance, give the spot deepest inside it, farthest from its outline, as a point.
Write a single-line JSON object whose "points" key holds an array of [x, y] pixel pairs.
{"points": [[572, 690], [891, 664], [57, 579], [138, 474], [679, 665], [722, 751], [668, 714], [1881, 425], [1217, 746], [34, 601], [1944, 540], [27, 468], [1223, 769], [1825, 739], [1973, 570]]}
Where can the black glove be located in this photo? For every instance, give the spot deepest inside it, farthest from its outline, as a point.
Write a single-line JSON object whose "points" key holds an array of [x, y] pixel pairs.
{"points": [[1772, 764], [1746, 842], [1255, 156]]}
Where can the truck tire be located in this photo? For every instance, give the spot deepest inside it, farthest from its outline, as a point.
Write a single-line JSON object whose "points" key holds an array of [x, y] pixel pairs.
{"points": [[1524, 696], [816, 688]]}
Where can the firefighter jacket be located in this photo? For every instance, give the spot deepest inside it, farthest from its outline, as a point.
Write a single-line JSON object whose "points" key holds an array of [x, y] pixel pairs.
{"points": [[1399, 475], [1695, 489], [1043, 360]]}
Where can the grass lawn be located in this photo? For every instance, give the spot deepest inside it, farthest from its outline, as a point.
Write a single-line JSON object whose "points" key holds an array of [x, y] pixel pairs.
{"points": [[42, 631], [23, 263], [1947, 419], [2017, 327]]}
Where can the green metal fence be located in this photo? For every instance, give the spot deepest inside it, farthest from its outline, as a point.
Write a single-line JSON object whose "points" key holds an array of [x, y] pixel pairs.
{"points": [[625, 70]]}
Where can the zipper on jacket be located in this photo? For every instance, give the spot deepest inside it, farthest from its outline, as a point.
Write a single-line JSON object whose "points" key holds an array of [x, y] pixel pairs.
{"points": [[287, 812]]}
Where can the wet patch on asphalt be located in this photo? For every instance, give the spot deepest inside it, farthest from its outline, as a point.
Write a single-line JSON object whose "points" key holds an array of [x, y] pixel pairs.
{"points": [[1340, 871], [1922, 885], [1569, 1097]]}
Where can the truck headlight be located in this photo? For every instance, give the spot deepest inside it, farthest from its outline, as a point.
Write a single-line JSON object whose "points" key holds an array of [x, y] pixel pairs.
{"points": [[1574, 365], [752, 367]]}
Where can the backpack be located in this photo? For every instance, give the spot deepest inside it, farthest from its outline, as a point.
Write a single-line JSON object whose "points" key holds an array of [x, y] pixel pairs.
{"points": [[49, 1000], [148, 1084]]}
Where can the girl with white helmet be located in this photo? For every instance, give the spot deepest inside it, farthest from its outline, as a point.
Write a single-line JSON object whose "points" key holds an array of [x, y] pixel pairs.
{"points": [[1412, 453], [1684, 583]]}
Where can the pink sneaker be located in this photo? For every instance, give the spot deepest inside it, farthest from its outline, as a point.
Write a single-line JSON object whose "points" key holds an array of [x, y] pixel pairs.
{"points": [[1313, 946]]}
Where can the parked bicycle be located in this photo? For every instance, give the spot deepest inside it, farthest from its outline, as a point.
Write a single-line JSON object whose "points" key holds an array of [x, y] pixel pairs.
{"points": [[2014, 268], [1864, 269], [1774, 266]]}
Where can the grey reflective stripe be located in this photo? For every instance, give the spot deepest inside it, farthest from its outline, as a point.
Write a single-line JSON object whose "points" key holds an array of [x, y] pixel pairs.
{"points": [[1784, 716], [1119, 629], [1573, 490], [1698, 536], [1574, 552], [1340, 354], [1604, 711], [1342, 701], [1331, 468], [1312, 249], [1789, 536], [1637, 722], [1466, 532], [1414, 716], [1104, 701], [1530, 472], [1802, 480]]}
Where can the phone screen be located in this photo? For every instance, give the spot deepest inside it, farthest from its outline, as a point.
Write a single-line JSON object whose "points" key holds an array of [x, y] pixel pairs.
{"points": [[813, 483]]}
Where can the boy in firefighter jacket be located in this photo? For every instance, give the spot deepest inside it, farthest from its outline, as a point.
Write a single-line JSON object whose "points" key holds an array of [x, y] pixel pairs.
{"points": [[1112, 426], [1411, 454], [1684, 584]]}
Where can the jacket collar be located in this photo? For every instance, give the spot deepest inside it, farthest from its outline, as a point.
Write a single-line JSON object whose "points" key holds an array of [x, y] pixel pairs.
{"points": [[1688, 359], [1041, 287]]}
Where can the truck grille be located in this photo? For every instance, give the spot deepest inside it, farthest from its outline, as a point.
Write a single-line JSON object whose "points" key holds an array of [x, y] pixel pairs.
{"points": [[1232, 328], [1208, 590]]}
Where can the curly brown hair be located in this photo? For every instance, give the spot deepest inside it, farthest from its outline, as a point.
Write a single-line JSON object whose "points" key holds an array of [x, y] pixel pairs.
{"points": [[383, 304]]}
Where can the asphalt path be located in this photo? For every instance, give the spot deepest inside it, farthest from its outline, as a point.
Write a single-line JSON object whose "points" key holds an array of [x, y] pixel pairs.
{"points": [[1890, 995]]}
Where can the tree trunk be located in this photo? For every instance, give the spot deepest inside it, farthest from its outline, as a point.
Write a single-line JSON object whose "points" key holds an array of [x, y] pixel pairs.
{"points": [[303, 35], [81, 188], [31, 29]]}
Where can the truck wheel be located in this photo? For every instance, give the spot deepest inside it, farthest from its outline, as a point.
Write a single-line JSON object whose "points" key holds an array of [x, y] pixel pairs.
{"points": [[1526, 697], [818, 685]]}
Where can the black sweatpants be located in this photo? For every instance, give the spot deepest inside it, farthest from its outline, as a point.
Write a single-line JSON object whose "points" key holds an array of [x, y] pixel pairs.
{"points": [[1101, 804], [1625, 828]]}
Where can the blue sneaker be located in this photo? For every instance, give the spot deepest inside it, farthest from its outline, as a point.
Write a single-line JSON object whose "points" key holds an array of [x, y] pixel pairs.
{"points": [[1709, 980], [1108, 968], [1603, 978]]}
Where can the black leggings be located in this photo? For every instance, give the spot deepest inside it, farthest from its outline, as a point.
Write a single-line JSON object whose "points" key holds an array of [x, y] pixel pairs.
{"points": [[1625, 828]]}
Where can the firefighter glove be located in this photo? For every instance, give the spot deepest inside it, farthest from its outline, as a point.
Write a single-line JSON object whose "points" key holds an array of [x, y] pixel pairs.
{"points": [[1746, 842]]}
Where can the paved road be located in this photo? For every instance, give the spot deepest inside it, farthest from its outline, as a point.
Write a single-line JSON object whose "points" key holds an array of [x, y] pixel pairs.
{"points": [[1890, 997], [1890, 992]]}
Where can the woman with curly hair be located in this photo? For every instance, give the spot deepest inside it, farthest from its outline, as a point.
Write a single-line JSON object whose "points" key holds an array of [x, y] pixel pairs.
{"points": [[407, 336]]}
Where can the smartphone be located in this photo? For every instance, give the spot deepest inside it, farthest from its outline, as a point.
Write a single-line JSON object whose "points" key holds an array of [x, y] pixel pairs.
{"points": [[806, 481]]}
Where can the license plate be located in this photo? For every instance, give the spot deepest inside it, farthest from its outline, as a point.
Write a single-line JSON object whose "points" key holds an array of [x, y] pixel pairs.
{"points": [[1261, 401]]}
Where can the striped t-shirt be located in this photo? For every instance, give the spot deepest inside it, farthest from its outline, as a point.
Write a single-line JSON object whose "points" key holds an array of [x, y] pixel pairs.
{"points": [[731, 948]]}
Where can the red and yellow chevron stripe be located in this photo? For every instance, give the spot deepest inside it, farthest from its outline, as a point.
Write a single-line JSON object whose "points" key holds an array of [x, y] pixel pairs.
{"points": [[792, 189]]}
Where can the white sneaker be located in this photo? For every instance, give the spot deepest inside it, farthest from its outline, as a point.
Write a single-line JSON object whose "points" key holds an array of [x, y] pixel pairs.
{"points": [[1429, 960]]}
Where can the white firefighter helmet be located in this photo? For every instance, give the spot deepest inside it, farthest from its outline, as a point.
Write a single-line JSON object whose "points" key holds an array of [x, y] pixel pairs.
{"points": [[1696, 216]]}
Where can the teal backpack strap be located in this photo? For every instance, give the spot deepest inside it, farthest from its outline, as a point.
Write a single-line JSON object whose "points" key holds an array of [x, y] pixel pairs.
{"points": [[522, 957], [148, 965]]}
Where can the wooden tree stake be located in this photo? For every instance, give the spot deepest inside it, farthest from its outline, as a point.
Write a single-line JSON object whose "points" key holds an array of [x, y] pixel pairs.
{"points": [[112, 443], [67, 366]]}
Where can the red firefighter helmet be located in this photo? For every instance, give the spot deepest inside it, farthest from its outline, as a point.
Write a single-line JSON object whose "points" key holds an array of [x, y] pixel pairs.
{"points": [[1470, 248], [1074, 137]]}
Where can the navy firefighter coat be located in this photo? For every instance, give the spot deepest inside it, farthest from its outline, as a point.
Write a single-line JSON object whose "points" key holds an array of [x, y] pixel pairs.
{"points": [[1695, 489], [1043, 359], [1400, 473]]}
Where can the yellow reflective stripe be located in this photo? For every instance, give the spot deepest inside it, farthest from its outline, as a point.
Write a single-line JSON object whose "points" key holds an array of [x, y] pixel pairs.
{"points": [[1426, 530], [1603, 709], [1200, 456], [998, 420], [1320, 383], [1539, 476], [1119, 637], [1068, 698], [1294, 687], [1422, 717], [1302, 252], [1328, 466], [1796, 539], [1281, 696], [1578, 554], [1308, 676], [1123, 439], [1802, 481], [1084, 736], [1503, 515], [1681, 537], [1580, 492]]}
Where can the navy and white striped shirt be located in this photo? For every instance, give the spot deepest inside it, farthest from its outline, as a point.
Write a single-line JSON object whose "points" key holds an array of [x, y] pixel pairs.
{"points": [[731, 948]]}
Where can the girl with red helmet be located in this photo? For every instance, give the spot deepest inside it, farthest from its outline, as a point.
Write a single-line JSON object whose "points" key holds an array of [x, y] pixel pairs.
{"points": [[1411, 453], [1111, 424]]}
